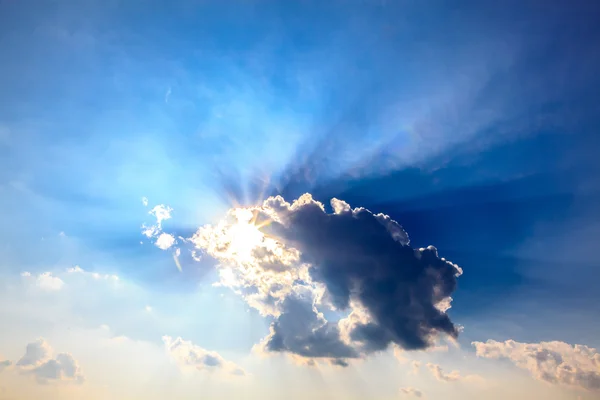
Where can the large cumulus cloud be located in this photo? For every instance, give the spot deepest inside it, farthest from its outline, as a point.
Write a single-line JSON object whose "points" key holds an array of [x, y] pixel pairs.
{"points": [[302, 261]]}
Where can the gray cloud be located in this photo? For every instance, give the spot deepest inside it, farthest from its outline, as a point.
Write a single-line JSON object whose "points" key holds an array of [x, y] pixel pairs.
{"points": [[5, 364], [300, 329], [188, 355], [439, 374], [555, 362], [363, 257], [38, 361], [352, 261], [35, 352]]}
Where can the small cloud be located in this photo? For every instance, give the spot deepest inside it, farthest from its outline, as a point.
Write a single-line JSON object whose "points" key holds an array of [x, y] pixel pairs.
{"points": [[164, 241], [145, 201], [190, 356], [168, 94], [410, 391], [176, 255], [439, 374], [39, 362], [95, 275], [415, 366], [75, 270], [339, 362], [161, 213]]}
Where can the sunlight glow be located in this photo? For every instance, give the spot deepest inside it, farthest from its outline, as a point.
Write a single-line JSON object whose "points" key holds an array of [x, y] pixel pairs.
{"points": [[244, 236]]}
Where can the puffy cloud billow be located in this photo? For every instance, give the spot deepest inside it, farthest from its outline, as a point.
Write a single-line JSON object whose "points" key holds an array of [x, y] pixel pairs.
{"points": [[38, 361], [188, 355], [293, 261], [555, 362]]}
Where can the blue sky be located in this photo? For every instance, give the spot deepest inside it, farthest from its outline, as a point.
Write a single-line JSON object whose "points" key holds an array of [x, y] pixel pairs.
{"points": [[471, 124]]}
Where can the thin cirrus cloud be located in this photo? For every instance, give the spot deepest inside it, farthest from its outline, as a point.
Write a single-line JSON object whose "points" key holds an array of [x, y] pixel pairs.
{"points": [[290, 261], [556, 362]]}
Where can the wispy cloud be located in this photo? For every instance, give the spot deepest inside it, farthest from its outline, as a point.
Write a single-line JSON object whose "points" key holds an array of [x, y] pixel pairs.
{"points": [[410, 391]]}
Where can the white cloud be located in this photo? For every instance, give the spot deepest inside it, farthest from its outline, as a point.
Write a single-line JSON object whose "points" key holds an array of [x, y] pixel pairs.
{"points": [[165, 241], [188, 355], [162, 213], [95, 275], [145, 201], [45, 281], [555, 362], [48, 282], [410, 391], [39, 362]]}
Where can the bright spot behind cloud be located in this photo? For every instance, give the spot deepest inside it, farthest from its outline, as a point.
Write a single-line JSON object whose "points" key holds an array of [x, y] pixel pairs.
{"points": [[293, 260]]}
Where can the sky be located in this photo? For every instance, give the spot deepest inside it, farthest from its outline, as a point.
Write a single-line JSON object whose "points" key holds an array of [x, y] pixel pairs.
{"points": [[260, 199]]}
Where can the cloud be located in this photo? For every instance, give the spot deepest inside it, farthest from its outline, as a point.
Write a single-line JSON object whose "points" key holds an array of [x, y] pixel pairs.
{"points": [[439, 374], [38, 361], [555, 362], [415, 366], [161, 212], [95, 275], [188, 355], [46, 281], [164, 241], [410, 391], [35, 352], [145, 201], [292, 261], [5, 364]]}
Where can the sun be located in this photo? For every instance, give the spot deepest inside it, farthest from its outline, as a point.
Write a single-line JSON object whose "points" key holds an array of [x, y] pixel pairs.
{"points": [[244, 235]]}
